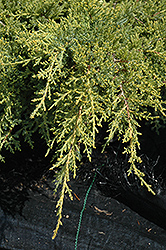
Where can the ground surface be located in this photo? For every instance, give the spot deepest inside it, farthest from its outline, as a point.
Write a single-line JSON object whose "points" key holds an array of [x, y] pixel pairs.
{"points": [[27, 194], [106, 224]]}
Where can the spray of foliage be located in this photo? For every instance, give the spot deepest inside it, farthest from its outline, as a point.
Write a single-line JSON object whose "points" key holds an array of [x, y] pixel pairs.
{"points": [[65, 71]]}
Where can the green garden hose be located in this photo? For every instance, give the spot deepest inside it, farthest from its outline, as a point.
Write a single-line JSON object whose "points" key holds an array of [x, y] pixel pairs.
{"points": [[83, 208]]}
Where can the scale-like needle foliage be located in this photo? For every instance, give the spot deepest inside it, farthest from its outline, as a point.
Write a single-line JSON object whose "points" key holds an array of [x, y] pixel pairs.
{"points": [[63, 73]]}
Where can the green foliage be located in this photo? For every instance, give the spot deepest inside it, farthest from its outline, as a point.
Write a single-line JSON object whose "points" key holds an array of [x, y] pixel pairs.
{"points": [[30, 12], [64, 76], [17, 84]]}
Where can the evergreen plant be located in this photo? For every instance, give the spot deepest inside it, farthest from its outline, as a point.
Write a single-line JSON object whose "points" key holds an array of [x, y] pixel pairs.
{"points": [[68, 67]]}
